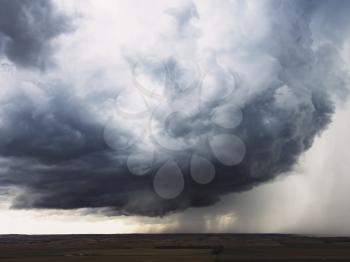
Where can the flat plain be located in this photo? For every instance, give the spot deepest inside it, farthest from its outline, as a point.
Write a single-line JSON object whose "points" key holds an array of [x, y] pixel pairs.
{"points": [[173, 247]]}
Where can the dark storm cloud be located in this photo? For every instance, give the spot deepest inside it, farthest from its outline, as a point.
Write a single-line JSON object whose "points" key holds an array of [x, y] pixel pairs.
{"points": [[53, 149], [27, 28]]}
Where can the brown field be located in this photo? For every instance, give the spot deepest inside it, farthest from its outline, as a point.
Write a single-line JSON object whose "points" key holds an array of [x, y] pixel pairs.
{"points": [[175, 247]]}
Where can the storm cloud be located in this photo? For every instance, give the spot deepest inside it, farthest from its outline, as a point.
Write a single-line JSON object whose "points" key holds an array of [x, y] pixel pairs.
{"points": [[243, 101], [26, 31]]}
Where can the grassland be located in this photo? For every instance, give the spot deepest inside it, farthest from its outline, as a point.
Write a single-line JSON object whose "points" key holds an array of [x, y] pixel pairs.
{"points": [[175, 247]]}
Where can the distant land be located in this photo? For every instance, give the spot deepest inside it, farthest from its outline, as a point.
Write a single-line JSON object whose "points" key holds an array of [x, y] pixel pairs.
{"points": [[173, 247]]}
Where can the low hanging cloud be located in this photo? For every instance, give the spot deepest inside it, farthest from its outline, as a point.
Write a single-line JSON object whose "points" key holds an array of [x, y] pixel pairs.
{"points": [[234, 94]]}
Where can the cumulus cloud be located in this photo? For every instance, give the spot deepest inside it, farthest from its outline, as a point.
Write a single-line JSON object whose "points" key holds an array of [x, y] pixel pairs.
{"points": [[26, 31], [226, 96]]}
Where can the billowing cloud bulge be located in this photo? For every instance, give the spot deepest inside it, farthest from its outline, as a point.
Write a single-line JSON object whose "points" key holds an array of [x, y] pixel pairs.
{"points": [[26, 28], [224, 96]]}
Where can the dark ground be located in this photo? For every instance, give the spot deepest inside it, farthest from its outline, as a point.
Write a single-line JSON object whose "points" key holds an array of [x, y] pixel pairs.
{"points": [[175, 247]]}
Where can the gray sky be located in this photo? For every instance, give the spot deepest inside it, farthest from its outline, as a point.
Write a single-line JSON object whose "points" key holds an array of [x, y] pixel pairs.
{"points": [[174, 116]]}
